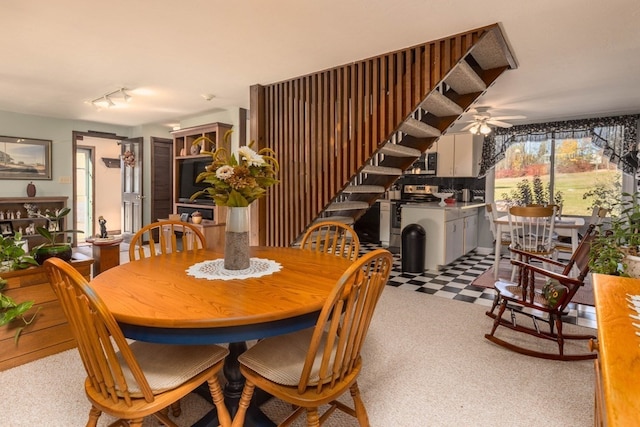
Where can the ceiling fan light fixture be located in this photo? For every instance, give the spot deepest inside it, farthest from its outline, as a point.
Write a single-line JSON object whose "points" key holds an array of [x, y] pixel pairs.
{"points": [[484, 129], [475, 129]]}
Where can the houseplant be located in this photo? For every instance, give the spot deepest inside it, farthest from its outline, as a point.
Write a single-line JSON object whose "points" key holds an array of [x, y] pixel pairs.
{"points": [[53, 247], [615, 250], [13, 255], [11, 311], [235, 181]]}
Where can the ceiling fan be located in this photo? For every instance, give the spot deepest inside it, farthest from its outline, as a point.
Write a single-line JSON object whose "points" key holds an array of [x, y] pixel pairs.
{"points": [[482, 120]]}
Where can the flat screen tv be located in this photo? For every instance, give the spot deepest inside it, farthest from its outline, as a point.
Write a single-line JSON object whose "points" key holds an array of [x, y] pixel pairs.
{"points": [[189, 169]]}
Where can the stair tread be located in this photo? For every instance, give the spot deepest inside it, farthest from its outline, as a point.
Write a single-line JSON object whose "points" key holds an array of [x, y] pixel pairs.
{"points": [[381, 170], [397, 150], [440, 105], [337, 218], [419, 129], [364, 189], [490, 51], [464, 80], [348, 205]]}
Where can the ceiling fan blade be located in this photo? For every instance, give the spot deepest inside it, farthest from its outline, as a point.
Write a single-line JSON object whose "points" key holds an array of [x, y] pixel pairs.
{"points": [[509, 118], [469, 126], [499, 123]]}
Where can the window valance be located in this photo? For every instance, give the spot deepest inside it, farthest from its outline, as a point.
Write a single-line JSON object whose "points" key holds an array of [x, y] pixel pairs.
{"points": [[616, 135]]}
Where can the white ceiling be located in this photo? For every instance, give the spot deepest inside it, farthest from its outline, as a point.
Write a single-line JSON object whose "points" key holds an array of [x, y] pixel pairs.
{"points": [[576, 58]]}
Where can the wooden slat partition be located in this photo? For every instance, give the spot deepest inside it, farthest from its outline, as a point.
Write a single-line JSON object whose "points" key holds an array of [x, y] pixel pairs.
{"points": [[325, 126]]}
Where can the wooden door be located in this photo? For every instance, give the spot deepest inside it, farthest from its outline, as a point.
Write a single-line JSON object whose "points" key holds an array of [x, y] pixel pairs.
{"points": [[131, 186], [161, 178]]}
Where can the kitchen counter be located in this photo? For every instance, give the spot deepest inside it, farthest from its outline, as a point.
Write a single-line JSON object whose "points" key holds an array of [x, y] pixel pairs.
{"points": [[451, 230], [436, 205]]}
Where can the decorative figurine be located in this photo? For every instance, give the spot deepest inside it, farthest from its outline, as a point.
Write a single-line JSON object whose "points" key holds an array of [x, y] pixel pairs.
{"points": [[103, 227]]}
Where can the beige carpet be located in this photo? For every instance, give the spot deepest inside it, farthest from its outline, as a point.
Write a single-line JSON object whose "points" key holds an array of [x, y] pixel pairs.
{"points": [[426, 363], [486, 280]]}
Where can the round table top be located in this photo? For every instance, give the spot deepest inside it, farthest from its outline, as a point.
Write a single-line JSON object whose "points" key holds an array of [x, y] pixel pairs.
{"points": [[157, 292]]}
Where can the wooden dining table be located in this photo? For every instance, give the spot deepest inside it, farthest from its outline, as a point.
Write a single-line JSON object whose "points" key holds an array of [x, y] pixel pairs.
{"points": [[155, 300], [564, 226]]}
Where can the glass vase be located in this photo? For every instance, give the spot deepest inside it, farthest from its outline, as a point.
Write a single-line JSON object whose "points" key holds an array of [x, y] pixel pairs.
{"points": [[236, 239]]}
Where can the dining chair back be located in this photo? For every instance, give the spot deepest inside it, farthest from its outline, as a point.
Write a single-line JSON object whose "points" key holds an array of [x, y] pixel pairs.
{"points": [[315, 366], [531, 231], [165, 237], [492, 213], [563, 241], [542, 295], [130, 380], [332, 237]]}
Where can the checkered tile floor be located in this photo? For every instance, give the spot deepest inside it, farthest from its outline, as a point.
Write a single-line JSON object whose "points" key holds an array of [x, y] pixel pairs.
{"points": [[454, 282]]}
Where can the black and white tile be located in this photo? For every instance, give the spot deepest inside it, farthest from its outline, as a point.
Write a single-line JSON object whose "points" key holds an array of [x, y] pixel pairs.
{"points": [[454, 282]]}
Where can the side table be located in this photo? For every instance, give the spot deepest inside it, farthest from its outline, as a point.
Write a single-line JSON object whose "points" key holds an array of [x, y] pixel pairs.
{"points": [[106, 253]]}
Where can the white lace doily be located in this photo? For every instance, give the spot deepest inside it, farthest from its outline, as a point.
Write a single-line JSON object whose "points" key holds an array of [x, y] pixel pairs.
{"points": [[214, 270]]}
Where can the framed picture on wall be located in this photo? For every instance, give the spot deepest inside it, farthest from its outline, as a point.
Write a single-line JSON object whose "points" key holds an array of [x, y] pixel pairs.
{"points": [[25, 158], [6, 228]]}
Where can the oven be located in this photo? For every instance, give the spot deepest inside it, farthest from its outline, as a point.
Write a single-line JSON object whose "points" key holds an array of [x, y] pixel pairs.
{"points": [[409, 194]]}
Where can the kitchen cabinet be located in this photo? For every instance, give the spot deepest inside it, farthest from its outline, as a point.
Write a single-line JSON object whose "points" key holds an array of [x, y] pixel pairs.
{"points": [[470, 223], [459, 155], [451, 232], [385, 222]]}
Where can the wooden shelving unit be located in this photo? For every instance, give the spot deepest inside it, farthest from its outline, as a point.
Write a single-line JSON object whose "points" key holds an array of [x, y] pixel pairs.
{"points": [[12, 207], [185, 154]]}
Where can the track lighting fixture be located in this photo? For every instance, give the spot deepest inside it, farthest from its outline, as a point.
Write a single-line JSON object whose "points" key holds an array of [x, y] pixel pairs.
{"points": [[106, 101]]}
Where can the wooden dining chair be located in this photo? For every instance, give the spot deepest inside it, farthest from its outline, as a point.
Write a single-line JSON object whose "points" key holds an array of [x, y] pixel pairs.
{"points": [[165, 237], [315, 366], [492, 213], [332, 237], [531, 230], [126, 380], [542, 296], [563, 242]]}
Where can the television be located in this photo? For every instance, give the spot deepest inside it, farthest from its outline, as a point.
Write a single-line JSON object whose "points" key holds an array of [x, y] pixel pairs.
{"points": [[188, 171]]}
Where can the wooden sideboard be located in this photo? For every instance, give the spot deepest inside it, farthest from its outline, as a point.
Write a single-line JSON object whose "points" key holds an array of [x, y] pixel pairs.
{"points": [[49, 333], [617, 401]]}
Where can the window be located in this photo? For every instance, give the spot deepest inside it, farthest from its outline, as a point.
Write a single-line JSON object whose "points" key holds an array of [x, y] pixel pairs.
{"points": [[571, 172]]}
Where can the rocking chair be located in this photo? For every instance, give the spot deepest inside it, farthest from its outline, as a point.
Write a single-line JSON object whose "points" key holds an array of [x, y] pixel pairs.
{"points": [[543, 296]]}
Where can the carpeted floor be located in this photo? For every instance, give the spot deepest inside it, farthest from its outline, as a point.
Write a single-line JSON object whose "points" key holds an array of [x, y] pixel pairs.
{"points": [[486, 280], [426, 363]]}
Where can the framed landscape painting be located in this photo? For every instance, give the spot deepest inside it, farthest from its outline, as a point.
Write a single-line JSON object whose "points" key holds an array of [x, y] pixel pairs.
{"points": [[25, 158]]}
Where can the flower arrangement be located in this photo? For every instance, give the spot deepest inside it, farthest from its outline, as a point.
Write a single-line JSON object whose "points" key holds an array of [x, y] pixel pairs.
{"points": [[129, 158], [239, 179]]}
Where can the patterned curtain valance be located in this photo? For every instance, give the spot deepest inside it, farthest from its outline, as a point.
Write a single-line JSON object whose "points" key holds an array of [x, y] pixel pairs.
{"points": [[616, 135]]}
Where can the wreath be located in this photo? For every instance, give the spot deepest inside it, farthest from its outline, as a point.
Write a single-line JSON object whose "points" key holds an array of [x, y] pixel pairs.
{"points": [[129, 159]]}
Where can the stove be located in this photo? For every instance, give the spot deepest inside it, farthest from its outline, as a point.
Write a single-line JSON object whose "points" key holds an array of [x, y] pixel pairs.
{"points": [[419, 193], [409, 194]]}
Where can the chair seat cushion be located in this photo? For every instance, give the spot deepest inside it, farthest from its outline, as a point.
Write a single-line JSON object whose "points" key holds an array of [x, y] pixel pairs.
{"points": [[280, 359], [167, 366]]}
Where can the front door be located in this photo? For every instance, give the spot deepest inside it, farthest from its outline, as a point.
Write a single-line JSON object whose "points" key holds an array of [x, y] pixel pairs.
{"points": [[131, 152]]}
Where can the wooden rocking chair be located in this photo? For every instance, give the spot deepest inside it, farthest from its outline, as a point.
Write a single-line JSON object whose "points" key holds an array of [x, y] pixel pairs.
{"points": [[528, 299]]}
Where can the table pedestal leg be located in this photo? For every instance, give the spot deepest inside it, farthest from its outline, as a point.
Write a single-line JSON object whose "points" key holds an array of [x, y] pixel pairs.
{"points": [[233, 390]]}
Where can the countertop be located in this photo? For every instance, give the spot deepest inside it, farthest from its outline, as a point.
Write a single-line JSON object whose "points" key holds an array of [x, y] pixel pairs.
{"points": [[436, 205]]}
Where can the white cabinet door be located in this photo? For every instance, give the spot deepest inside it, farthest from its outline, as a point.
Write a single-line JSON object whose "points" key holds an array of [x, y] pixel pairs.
{"points": [[385, 223], [470, 232], [446, 159], [454, 240], [459, 155]]}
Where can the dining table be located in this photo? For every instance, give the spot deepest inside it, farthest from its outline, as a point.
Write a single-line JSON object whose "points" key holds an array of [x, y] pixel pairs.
{"points": [[189, 298], [565, 225]]}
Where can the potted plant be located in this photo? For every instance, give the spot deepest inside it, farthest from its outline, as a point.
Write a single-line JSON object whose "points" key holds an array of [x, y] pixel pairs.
{"points": [[615, 250], [53, 247], [11, 311], [12, 254]]}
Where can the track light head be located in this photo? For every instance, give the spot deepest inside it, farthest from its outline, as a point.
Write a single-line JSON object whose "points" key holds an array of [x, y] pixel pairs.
{"points": [[106, 101]]}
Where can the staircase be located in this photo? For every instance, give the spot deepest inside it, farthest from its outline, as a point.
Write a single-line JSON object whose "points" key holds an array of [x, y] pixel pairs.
{"points": [[442, 103]]}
